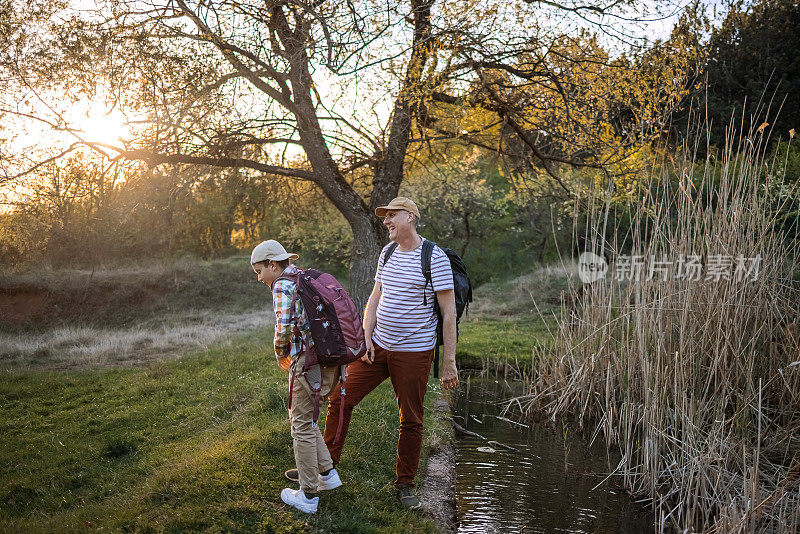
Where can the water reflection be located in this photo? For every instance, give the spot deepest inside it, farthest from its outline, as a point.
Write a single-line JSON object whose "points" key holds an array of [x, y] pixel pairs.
{"points": [[547, 486]]}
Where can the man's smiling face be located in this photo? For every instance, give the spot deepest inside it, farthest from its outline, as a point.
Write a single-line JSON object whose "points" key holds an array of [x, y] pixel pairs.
{"points": [[398, 222]]}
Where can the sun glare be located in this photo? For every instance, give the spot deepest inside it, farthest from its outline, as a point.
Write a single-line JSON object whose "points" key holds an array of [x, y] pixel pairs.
{"points": [[103, 126]]}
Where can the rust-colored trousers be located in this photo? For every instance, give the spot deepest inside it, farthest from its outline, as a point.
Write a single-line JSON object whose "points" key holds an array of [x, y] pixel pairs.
{"points": [[409, 374]]}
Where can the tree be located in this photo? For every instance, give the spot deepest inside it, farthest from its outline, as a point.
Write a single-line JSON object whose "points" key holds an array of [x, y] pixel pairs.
{"points": [[69, 214], [753, 67], [231, 83]]}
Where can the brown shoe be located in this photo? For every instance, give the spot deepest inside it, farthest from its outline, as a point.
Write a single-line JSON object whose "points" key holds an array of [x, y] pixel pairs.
{"points": [[406, 497], [292, 475]]}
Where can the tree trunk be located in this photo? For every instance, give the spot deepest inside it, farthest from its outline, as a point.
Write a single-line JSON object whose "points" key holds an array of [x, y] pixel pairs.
{"points": [[368, 232], [369, 237], [389, 175]]}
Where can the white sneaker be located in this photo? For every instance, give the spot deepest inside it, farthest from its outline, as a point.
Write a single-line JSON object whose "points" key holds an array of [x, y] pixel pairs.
{"points": [[332, 481], [299, 500]]}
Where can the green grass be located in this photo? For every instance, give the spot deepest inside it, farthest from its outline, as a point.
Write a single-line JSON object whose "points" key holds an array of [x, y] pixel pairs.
{"points": [[493, 343], [508, 319], [198, 443]]}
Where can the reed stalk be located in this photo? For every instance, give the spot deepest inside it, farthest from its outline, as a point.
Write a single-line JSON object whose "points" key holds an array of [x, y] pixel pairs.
{"points": [[695, 381]]}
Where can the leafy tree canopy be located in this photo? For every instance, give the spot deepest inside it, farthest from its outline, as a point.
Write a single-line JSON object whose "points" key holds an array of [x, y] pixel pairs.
{"points": [[754, 67], [341, 95]]}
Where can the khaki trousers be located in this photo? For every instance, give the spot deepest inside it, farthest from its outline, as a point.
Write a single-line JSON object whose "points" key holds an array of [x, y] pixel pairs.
{"points": [[310, 452]]}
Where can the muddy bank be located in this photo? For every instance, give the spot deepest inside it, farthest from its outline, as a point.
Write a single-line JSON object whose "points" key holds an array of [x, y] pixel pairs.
{"points": [[438, 489]]}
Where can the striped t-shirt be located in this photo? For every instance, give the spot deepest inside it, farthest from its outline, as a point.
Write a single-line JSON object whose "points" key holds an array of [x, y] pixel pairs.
{"points": [[404, 322]]}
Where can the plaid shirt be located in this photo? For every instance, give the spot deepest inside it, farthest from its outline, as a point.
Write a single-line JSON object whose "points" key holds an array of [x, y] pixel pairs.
{"points": [[287, 344]]}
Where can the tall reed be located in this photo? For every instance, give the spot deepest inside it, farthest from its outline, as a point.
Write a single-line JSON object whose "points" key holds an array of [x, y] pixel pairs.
{"points": [[695, 381]]}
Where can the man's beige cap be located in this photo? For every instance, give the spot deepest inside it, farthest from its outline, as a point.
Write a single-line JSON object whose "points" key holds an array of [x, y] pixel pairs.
{"points": [[399, 203], [270, 250]]}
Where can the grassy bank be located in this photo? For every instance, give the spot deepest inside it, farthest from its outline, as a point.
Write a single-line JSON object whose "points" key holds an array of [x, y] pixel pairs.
{"points": [[143, 295], [508, 320], [72, 319], [152, 402], [196, 443]]}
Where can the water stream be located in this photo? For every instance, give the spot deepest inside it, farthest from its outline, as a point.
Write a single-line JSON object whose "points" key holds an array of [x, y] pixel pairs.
{"points": [[553, 483]]}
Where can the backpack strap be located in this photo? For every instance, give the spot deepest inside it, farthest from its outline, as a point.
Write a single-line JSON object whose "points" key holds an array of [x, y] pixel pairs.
{"points": [[388, 253], [317, 395], [425, 258], [342, 392], [291, 387], [292, 319], [436, 361], [291, 278]]}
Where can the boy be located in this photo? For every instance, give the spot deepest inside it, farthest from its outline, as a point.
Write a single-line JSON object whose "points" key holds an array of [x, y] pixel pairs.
{"points": [[315, 468]]}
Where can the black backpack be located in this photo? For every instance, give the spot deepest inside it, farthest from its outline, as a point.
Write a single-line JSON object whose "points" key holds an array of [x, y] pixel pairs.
{"points": [[462, 288]]}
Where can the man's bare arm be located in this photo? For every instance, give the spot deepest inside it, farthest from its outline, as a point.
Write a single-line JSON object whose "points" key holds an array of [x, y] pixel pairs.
{"points": [[447, 306]]}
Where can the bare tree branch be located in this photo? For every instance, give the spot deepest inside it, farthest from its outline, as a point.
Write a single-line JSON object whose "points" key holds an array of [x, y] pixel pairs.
{"points": [[283, 96], [154, 158], [40, 164]]}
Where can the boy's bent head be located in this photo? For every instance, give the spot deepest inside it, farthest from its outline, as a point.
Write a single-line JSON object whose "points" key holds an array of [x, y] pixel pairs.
{"points": [[270, 250], [269, 259]]}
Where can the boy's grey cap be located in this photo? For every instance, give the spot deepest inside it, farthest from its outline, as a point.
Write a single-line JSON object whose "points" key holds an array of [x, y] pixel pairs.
{"points": [[398, 203], [270, 250]]}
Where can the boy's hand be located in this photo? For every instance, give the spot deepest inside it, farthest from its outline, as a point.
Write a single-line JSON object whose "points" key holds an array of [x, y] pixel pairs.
{"points": [[369, 357]]}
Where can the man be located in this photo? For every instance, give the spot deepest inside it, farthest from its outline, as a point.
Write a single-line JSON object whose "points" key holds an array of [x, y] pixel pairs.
{"points": [[314, 465], [400, 331]]}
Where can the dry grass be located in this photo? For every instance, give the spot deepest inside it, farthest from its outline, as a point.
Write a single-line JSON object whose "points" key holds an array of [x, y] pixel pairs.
{"points": [[113, 299], [695, 382], [143, 270], [85, 347], [543, 286]]}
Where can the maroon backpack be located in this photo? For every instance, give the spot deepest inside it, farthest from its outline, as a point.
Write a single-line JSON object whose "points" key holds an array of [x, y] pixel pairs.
{"points": [[335, 328]]}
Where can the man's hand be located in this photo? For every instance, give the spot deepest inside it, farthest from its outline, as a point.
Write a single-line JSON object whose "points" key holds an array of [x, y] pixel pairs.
{"points": [[370, 318], [449, 374], [369, 357], [447, 305]]}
